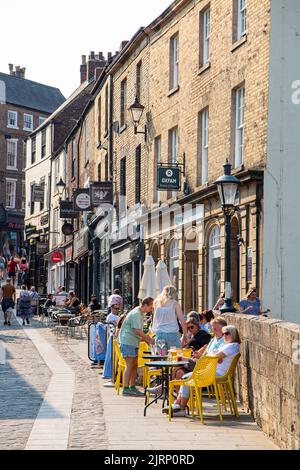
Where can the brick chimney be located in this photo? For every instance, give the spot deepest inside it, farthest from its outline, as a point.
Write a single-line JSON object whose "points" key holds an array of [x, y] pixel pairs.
{"points": [[92, 68]]}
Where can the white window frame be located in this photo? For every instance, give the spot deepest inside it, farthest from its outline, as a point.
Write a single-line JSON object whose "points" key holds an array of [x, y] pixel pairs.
{"points": [[206, 36], [14, 183], [157, 151], [41, 120], [242, 19], [174, 145], [11, 126], [15, 166], [174, 62], [25, 128], [204, 145], [239, 126]]}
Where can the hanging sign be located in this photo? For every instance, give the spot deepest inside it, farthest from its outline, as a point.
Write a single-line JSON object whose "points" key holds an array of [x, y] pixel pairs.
{"points": [[168, 178], [101, 193], [82, 200], [67, 210], [56, 257]]}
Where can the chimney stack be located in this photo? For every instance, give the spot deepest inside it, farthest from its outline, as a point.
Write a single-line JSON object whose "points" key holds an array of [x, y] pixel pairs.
{"points": [[123, 44], [11, 69], [22, 72], [92, 68]]}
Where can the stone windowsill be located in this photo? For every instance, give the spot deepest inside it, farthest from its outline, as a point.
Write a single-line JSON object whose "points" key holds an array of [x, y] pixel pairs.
{"points": [[237, 169], [204, 68], [239, 43], [173, 91]]}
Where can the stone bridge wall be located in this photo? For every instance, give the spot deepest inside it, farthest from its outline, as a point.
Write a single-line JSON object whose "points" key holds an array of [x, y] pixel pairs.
{"points": [[268, 376]]}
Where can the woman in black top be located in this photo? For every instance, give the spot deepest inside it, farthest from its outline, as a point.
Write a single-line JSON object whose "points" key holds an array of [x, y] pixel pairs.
{"points": [[94, 304], [198, 339]]}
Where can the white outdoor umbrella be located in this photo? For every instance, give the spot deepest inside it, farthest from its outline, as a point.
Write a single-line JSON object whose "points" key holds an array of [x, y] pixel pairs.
{"points": [[148, 287], [162, 276]]}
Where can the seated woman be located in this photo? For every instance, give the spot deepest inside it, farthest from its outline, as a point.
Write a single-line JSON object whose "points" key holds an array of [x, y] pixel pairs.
{"points": [[199, 338], [206, 319], [94, 304], [225, 354], [73, 303], [251, 303]]}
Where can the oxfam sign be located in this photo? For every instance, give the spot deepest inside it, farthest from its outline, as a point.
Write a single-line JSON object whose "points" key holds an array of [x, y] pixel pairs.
{"points": [[168, 178]]}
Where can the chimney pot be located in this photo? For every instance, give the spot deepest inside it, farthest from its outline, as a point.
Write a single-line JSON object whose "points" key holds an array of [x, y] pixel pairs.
{"points": [[123, 44], [83, 59], [92, 56], [109, 55], [11, 69]]}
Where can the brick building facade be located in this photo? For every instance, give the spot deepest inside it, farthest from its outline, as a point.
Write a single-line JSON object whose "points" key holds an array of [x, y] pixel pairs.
{"points": [[24, 105]]}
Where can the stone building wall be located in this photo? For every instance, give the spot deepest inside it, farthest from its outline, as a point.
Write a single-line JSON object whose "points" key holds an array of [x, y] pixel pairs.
{"points": [[268, 376]]}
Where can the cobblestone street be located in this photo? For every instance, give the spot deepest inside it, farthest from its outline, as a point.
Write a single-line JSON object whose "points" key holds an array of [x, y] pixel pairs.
{"points": [[52, 399]]}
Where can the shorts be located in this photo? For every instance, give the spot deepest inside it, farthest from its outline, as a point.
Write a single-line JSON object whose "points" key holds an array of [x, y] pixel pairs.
{"points": [[171, 339], [2, 266], [129, 351], [11, 274], [185, 391]]}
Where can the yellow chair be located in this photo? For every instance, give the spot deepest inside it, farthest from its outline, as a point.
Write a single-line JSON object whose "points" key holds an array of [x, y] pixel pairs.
{"points": [[121, 365], [141, 361], [225, 386], [203, 376]]}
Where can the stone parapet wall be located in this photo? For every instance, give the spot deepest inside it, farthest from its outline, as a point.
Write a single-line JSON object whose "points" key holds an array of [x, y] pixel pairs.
{"points": [[268, 376]]}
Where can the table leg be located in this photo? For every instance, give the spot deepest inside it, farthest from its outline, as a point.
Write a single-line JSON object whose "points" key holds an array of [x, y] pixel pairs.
{"points": [[156, 397]]}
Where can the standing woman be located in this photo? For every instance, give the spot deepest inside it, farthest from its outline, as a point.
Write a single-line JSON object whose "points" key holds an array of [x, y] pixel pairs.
{"points": [[25, 309], [167, 314]]}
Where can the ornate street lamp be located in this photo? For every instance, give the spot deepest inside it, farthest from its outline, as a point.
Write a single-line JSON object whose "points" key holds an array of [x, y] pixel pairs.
{"points": [[61, 186], [227, 187], [137, 110]]}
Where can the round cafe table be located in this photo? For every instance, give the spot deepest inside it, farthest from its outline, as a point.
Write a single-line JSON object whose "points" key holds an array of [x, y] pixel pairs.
{"points": [[166, 373], [152, 357]]}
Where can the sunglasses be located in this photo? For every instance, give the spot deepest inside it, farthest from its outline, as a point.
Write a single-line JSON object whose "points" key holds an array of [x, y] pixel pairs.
{"points": [[191, 327], [226, 333]]}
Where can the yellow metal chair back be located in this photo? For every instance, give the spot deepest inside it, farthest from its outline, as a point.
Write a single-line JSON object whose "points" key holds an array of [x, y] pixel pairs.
{"points": [[231, 369]]}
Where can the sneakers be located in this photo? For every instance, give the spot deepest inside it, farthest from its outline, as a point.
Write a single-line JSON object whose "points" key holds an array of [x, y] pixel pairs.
{"points": [[27, 321], [9, 324], [5, 323], [137, 392], [132, 392], [23, 324], [155, 390], [175, 408]]}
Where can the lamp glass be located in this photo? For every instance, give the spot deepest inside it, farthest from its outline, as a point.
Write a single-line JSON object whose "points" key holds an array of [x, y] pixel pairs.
{"points": [[136, 112], [227, 192]]}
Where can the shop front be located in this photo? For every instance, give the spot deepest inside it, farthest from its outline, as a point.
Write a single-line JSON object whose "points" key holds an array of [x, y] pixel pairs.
{"points": [[11, 233], [127, 270], [84, 259]]}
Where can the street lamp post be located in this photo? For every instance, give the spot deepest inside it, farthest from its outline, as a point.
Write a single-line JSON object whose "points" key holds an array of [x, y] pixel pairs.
{"points": [[227, 187]]}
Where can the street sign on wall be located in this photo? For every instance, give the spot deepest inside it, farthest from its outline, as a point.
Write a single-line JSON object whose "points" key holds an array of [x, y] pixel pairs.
{"points": [[101, 193], [168, 178], [42, 248], [82, 200]]}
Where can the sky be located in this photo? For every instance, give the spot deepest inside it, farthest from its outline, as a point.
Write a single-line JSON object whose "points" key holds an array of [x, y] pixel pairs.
{"points": [[48, 37]]}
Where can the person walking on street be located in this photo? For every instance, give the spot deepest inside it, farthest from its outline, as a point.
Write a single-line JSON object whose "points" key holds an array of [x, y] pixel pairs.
{"points": [[8, 299], [12, 269], [25, 308], [34, 300]]}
